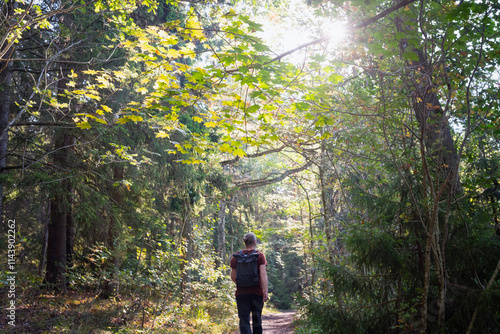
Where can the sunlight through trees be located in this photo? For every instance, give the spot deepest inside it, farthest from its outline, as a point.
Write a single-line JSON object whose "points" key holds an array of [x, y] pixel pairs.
{"points": [[140, 140]]}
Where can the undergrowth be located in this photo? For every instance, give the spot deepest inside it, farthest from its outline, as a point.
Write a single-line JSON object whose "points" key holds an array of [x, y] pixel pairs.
{"points": [[84, 312]]}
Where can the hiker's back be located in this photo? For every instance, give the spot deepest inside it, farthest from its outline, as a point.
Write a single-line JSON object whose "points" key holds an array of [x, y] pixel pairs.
{"points": [[247, 268]]}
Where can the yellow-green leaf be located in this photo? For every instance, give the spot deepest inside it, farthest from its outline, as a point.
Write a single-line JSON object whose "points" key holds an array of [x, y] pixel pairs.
{"points": [[239, 152], [100, 120], [123, 120], [106, 108], [142, 90], [135, 118], [172, 53], [162, 134], [84, 125]]}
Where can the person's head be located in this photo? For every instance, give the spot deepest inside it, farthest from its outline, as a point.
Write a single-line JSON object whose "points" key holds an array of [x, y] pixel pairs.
{"points": [[250, 239]]}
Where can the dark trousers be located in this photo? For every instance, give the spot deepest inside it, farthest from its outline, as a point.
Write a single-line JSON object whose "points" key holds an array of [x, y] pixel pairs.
{"points": [[247, 304]]}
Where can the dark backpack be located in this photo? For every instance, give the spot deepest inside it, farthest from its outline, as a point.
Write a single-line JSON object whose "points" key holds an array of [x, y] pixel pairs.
{"points": [[247, 273]]}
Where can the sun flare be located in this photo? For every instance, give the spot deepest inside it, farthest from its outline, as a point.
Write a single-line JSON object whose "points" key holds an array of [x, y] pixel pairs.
{"points": [[286, 39], [297, 26], [335, 31]]}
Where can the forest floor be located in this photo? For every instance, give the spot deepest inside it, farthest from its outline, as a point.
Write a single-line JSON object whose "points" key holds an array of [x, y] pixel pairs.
{"points": [[83, 312]]}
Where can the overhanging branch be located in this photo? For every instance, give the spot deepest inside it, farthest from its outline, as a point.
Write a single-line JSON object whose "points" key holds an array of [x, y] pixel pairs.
{"points": [[266, 181], [362, 25], [42, 124], [255, 155], [350, 28]]}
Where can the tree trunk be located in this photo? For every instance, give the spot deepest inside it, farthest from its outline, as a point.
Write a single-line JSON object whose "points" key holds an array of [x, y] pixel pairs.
{"points": [[440, 178], [434, 126], [55, 277], [310, 220], [111, 284], [5, 100], [170, 228], [187, 252], [326, 204], [70, 228], [221, 231], [45, 218]]}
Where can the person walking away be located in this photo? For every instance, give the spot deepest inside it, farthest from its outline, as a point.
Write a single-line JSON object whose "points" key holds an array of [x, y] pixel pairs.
{"points": [[248, 271]]}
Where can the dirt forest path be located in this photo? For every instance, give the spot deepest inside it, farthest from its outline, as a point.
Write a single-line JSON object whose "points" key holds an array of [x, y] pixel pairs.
{"points": [[278, 323]]}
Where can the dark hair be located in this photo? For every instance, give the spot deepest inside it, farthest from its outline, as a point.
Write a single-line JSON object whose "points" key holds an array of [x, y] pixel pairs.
{"points": [[250, 239]]}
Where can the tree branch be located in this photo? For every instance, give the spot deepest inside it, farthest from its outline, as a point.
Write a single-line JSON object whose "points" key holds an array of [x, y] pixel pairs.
{"points": [[490, 283], [41, 124], [265, 181], [362, 25], [255, 155]]}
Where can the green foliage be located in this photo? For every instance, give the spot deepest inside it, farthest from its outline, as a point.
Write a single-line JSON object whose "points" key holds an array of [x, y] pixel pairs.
{"points": [[284, 266], [157, 94]]}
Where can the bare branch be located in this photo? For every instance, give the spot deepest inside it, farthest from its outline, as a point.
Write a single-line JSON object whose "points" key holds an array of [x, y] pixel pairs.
{"points": [[42, 124], [490, 283], [362, 25], [265, 181], [255, 155], [8, 40]]}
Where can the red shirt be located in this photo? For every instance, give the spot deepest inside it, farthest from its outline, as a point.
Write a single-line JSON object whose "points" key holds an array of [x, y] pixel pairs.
{"points": [[252, 290]]}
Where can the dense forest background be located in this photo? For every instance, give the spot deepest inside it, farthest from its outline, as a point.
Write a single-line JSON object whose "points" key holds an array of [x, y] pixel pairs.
{"points": [[140, 140]]}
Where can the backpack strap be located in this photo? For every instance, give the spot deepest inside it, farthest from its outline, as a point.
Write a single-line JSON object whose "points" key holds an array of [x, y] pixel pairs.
{"points": [[240, 254]]}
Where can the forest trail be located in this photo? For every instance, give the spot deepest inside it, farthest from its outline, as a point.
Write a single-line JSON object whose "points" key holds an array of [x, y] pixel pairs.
{"points": [[278, 323]]}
